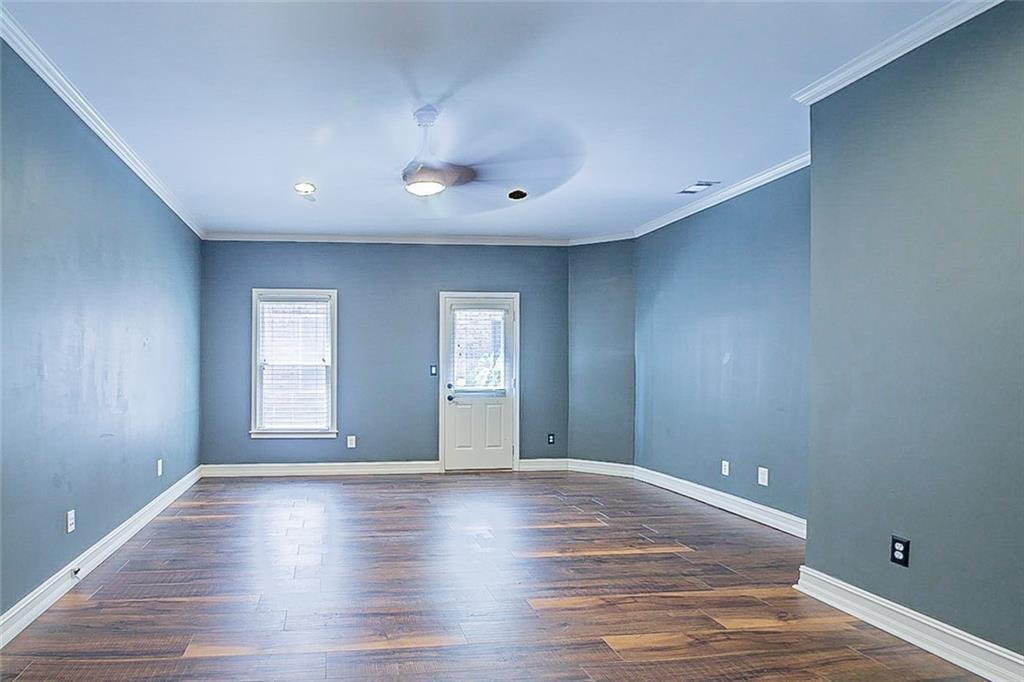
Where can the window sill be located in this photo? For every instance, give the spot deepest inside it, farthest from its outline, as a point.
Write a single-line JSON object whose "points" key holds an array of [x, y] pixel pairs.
{"points": [[293, 434]]}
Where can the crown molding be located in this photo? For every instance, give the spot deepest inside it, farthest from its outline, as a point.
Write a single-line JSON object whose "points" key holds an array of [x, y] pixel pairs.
{"points": [[723, 195], [601, 239], [15, 36], [741, 187], [446, 240], [27, 49], [935, 24]]}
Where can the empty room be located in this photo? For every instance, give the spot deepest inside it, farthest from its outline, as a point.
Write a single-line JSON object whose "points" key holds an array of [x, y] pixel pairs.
{"points": [[512, 341]]}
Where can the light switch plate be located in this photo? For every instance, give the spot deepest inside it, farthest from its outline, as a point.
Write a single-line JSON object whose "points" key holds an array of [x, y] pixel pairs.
{"points": [[762, 475], [350, 441], [70, 521], [159, 467], [725, 467]]}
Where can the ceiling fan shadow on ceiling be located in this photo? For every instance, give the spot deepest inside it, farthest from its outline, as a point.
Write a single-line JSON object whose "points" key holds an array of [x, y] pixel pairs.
{"points": [[491, 171]]}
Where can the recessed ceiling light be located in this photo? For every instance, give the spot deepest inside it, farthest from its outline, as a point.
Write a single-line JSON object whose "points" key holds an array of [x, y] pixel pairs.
{"points": [[699, 186], [517, 194], [305, 188]]}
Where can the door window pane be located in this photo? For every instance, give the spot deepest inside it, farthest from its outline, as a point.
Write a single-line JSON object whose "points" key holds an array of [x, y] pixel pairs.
{"points": [[478, 349]]}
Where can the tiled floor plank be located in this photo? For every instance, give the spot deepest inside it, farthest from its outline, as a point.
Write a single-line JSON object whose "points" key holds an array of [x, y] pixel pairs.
{"points": [[498, 577]]}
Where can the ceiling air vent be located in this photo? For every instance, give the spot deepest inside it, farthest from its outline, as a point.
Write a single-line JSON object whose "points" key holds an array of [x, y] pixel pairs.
{"points": [[699, 186]]}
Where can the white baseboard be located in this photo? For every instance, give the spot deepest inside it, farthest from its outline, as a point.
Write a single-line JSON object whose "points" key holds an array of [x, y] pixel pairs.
{"points": [[968, 651], [19, 616], [544, 464], [960, 648], [769, 516], [590, 466], [320, 469]]}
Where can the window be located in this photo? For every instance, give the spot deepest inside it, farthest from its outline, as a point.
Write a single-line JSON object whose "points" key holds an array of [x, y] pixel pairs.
{"points": [[294, 356], [478, 349]]}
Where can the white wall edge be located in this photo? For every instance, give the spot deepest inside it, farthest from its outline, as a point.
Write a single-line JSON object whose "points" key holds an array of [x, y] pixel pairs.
{"points": [[935, 24], [968, 651], [21, 615], [320, 469], [45, 68]]}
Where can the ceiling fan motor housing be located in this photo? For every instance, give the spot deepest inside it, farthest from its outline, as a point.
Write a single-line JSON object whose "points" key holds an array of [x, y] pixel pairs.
{"points": [[422, 171]]}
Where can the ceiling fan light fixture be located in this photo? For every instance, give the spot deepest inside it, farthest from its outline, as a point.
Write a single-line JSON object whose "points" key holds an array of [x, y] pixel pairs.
{"points": [[423, 180], [425, 176], [424, 188], [304, 188]]}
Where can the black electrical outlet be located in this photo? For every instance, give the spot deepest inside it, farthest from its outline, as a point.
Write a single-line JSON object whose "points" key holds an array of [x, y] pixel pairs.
{"points": [[551, 439], [899, 551]]}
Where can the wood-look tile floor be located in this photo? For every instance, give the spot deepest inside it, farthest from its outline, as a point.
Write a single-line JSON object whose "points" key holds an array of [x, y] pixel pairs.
{"points": [[540, 576]]}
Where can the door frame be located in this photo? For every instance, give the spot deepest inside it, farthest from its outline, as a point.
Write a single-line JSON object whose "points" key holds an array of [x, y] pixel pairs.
{"points": [[442, 365]]}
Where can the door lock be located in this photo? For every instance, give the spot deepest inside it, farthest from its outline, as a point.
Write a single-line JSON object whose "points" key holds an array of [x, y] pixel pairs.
{"points": [[449, 386]]}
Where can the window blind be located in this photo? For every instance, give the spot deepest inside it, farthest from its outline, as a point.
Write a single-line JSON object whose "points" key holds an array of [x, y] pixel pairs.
{"points": [[294, 373], [478, 349]]}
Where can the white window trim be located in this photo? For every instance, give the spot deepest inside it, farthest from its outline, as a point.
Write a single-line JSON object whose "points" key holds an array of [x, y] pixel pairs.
{"points": [[285, 295]]}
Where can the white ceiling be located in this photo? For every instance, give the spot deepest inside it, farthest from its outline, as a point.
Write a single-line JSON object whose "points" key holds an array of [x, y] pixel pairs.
{"points": [[602, 111]]}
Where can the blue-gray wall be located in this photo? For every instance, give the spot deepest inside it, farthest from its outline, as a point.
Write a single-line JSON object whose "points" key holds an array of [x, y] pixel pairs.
{"points": [[388, 336], [917, 377], [100, 336], [601, 363], [722, 334]]}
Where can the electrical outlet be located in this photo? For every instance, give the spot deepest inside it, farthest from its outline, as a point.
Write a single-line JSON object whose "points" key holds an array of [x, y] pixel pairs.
{"points": [[762, 475], [159, 467], [551, 439], [350, 441], [433, 370], [725, 467], [899, 551], [70, 521]]}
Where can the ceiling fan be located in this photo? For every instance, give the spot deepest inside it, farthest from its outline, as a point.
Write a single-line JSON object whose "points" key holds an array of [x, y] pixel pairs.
{"points": [[492, 164], [425, 175]]}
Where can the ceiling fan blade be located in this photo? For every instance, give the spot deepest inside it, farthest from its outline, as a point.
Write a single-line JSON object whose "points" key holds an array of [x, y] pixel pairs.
{"points": [[536, 155], [471, 198]]}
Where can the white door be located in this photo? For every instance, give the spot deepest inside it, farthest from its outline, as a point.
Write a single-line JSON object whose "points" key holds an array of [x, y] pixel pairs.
{"points": [[479, 405]]}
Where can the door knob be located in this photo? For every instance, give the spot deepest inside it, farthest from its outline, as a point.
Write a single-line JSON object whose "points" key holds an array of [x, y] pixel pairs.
{"points": [[449, 386], [451, 398]]}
